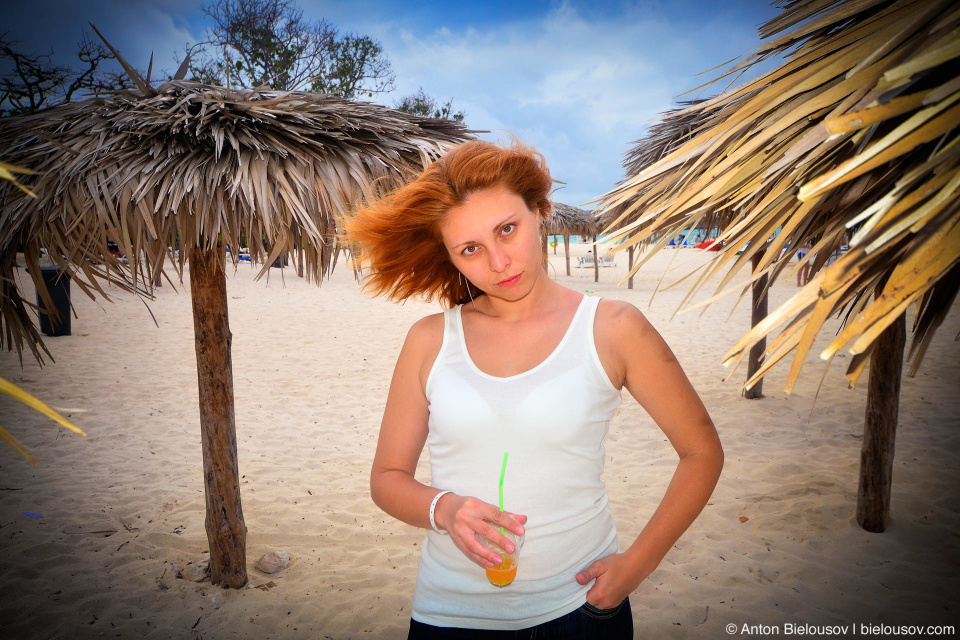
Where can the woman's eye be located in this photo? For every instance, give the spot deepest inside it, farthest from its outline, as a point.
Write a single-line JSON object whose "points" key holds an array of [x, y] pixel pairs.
{"points": [[508, 229], [469, 251]]}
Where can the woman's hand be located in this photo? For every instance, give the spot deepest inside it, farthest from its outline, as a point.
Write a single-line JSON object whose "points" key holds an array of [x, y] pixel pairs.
{"points": [[616, 578], [465, 517]]}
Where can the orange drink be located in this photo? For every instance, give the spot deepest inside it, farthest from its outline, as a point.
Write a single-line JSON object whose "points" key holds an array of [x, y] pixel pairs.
{"points": [[504, 573]]}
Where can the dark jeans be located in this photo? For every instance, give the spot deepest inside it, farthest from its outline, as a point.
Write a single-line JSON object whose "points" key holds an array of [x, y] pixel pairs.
{"points": [[586, 623]]}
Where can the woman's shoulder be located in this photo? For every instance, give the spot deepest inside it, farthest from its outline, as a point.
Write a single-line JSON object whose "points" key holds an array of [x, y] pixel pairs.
{"points": [[421, 347], [617, 310], [425, 338], [618, 319], [427, 329]]}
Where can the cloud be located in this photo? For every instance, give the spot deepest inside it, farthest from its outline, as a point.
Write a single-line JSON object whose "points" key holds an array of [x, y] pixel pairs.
{"points": [[136, 29], [580, 80], [579, 88]]}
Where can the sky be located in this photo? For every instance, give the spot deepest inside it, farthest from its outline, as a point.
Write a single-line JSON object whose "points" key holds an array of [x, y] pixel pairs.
{"points": [[580, 80]]}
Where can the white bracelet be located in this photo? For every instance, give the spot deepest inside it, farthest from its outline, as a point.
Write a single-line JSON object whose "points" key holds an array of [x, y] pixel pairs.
{"points": [[433, 507]]}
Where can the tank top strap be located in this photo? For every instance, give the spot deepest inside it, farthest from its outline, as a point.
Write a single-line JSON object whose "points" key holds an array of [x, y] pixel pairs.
{"points": [[449, 345], [451, 326], [586, 341], [580, 332]]}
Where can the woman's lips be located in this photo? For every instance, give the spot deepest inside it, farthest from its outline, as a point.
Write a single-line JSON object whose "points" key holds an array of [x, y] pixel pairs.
{"points": [[509, 282]]}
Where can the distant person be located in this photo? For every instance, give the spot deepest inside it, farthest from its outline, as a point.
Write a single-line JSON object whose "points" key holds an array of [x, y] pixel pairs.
{"points": [[518, 363], [803, 274]]}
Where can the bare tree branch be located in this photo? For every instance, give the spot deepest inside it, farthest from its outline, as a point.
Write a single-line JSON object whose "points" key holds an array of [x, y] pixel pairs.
{"points": [[267, 42], [36, 82]]}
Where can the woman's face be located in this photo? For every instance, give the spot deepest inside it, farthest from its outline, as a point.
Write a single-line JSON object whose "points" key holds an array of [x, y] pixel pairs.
{"points": [[493, 238]]}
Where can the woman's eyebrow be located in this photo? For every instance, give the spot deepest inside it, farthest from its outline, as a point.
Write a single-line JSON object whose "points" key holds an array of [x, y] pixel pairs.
{"points": [[506, 219]]}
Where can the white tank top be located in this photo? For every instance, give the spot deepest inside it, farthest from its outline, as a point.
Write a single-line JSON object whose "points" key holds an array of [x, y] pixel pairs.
{"points": [[552, 419]]}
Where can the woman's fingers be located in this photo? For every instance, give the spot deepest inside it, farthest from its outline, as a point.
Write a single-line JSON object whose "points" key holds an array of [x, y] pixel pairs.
{"points": [[471, 518], [508, 520]]}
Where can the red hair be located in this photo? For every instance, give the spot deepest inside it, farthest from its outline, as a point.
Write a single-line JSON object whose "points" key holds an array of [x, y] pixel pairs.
{"points": [[399, 236]]}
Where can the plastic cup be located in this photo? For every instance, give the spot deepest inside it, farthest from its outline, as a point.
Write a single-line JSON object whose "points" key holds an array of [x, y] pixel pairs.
{"points": [[504, 573]]}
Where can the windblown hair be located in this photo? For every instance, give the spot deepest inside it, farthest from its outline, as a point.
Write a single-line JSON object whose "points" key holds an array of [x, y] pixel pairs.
{"points": [[399, 236]]}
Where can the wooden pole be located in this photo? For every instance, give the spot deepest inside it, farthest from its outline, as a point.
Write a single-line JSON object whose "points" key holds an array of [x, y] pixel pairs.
{"points": [[596, 261], [758, 313], [630, 264], [566, 250], [880, 428], [226, 531]]}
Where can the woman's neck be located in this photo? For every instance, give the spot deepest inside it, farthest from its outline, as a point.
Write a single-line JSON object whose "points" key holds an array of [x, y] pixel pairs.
{"points": [[543, 295]]}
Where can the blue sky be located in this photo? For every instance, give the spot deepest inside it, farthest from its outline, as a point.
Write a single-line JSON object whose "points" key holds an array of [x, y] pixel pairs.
{"points": [[579, 79]]}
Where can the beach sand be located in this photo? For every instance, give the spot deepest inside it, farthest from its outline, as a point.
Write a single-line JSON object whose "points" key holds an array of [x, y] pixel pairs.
{"points": [[777, 545]]}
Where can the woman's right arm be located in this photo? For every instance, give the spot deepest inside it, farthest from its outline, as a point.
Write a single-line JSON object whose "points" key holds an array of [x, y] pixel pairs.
{"points": [[403, 433]]}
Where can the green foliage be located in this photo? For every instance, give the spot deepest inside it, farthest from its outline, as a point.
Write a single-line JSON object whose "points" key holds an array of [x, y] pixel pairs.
{"points": [[267, 42], [422, 104], [356, 65]]}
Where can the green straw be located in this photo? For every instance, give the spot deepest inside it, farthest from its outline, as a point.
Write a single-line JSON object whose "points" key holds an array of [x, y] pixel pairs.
{"points": [[503, 469]]}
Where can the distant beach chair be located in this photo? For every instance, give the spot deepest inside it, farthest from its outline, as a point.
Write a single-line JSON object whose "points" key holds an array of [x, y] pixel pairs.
{"points": [[586, 260], [608, 260]]}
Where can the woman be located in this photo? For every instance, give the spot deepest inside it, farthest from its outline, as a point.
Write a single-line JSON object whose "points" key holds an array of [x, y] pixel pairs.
{"points": [[524, 365]]}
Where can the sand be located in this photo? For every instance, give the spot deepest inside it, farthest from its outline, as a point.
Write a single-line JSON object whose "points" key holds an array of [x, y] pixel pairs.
{"points": [[778, 545]]}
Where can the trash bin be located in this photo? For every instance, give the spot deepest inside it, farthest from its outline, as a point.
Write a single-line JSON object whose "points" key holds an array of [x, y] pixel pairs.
{"points": [[58, 284]]}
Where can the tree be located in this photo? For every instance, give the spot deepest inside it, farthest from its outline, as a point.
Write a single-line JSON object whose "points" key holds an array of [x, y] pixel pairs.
{"points": [[355, 64], [422, 104], [35, 82], [260, 42]]}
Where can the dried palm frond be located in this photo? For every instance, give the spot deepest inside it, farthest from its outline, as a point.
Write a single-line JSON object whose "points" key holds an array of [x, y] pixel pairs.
{"points": [[7, 387], [6, 173], [663, 137], [573, 221], [12, 390], [854, 138], [188, 165]]}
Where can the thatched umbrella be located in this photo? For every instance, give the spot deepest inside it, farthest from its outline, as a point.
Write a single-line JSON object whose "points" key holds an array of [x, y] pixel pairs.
{"points": [[662, 137], [569, 221], [203, 169], [854, 138]]}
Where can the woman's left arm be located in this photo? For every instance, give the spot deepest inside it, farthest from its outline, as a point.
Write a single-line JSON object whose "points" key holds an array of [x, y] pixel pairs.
{"points": [[635, 356]]}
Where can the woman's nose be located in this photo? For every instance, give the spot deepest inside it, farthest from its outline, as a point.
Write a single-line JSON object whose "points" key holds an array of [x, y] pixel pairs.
{"points": [[498, 259]]}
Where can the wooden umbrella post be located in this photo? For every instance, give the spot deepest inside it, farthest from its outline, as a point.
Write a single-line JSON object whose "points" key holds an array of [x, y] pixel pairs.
{"points": [[880, 428], [596, 261], [226, 531], [757, 313], [566, 250], [630, 264]]}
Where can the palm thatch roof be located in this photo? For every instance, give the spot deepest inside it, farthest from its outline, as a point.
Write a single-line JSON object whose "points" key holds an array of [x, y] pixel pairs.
{"points": [[203, 169], [189, 165], [663, 136], [854, 138], [567, 220]]}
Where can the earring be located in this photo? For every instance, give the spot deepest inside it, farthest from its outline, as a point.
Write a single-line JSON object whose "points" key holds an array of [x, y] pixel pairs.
{"points": [[469, 293]]}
